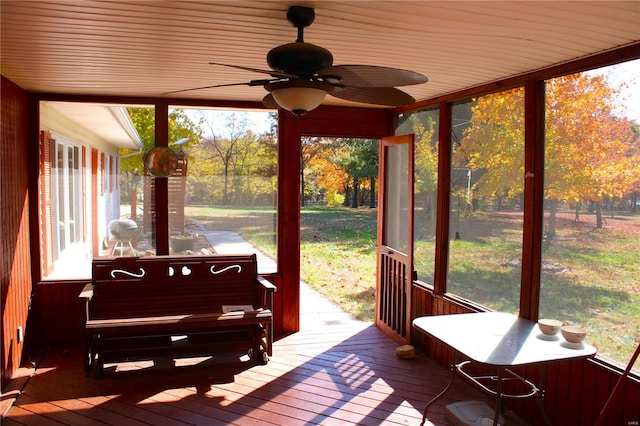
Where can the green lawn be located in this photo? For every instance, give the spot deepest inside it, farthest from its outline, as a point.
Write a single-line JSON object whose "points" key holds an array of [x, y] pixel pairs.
{"points": [[591, 276], [254, 224], [338, 256]]}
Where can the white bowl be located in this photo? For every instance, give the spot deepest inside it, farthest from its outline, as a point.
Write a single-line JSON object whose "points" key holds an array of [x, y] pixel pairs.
{"points": [[550, 327], [573, 334]]}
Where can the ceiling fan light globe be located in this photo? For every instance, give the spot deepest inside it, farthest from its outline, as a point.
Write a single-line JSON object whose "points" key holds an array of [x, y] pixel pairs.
{"points": [[299, 100], [299, 96]]}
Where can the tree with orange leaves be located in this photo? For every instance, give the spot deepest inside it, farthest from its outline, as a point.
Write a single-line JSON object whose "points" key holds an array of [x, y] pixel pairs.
{"points": [[592, 152]]}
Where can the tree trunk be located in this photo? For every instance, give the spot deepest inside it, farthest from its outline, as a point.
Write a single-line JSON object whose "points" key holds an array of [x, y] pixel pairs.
{"points": [[372, 194], [354, 200], [599, 221], [522, 201], [553, 209], [577, 218], [225, 188], [302, 183]]}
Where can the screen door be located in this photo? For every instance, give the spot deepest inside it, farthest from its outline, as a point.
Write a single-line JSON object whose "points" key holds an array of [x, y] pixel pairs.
{"points": [[395, 237]]}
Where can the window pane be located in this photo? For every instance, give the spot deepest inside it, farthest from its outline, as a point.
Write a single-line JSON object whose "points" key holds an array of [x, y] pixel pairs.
{"points": [[486, 217], [222, 197], [128, 232], [424, 125], [591, 246], [396, 190], [59, 199], [83, 147]]}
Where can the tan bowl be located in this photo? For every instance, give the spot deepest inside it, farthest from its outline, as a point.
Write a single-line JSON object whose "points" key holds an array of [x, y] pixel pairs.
{"points": [[573, 334], [550, 327]]}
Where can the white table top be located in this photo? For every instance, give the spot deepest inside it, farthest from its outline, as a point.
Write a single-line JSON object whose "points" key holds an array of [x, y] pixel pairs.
{"points": [[500, 339]]}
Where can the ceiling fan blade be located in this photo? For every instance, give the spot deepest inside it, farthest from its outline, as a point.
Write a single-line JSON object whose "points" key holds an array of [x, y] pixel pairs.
{"points": [[276, 74], [370, 76], [246, 83], [269, 102], [389, 96]]}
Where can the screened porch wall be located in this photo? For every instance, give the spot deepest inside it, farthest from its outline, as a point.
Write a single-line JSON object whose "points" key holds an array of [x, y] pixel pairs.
{"points": [[594, 381], [15, 258]]}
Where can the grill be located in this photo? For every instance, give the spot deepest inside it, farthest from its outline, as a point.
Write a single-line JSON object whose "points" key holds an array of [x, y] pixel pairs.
{"points": [[123, 230]]}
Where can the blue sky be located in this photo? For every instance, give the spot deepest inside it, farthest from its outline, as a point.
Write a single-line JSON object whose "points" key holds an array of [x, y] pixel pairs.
{"points": [[259, 122]]}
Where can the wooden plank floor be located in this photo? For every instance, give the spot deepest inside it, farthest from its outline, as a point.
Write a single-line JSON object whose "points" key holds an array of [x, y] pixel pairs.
{"points": [[335, 371]]}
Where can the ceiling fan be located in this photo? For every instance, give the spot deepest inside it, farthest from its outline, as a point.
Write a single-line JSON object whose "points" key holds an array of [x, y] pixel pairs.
{"points": [[302, 74]]}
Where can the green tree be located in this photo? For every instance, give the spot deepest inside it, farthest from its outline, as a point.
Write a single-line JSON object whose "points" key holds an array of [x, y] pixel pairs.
{"points": [[235, 166], [359, 160], [226, 148], [143, 119], [424, 128], [332, 166], [180, 126]]}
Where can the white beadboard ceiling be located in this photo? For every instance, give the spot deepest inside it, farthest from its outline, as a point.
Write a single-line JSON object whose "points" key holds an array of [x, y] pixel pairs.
{"points": [[146, 48]]}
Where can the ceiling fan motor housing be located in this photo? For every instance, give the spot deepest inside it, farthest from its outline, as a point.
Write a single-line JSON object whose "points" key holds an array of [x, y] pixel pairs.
{"points": [[299, 58]]}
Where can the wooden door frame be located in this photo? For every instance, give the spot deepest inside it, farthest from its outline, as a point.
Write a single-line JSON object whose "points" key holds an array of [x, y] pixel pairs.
{"points": [[403, 336], [339, 122]]}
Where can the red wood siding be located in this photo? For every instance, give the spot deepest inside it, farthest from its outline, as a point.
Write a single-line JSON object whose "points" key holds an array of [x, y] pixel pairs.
{"points": [[421, 302], [84, 201], [15, 259], [45, 211], [58, 313], [95, 179], [103, 186]]}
